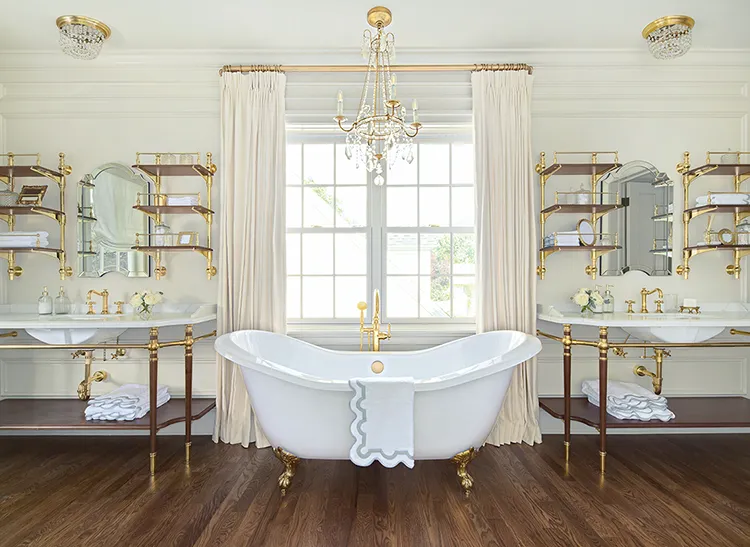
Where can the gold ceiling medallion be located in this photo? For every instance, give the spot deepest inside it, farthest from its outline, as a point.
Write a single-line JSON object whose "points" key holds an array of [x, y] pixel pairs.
{"points": [[669, 37], [380, 132], [82, 37]]}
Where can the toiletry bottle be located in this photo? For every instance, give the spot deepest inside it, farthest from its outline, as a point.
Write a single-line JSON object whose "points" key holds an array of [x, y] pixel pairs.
{"points": [[598, 307], [62, 303], [609, 300], [45, 303]]}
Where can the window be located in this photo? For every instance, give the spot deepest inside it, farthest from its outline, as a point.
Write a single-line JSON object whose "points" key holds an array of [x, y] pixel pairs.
{"points": [[412, 238]]}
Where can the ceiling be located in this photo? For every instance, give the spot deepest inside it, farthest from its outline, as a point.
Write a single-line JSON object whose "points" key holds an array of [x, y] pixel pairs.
{"points": [[337, 24]]}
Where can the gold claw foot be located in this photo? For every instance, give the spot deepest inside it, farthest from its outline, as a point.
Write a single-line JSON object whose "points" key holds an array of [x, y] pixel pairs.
{"points": [[462, 459], [290, 462]]}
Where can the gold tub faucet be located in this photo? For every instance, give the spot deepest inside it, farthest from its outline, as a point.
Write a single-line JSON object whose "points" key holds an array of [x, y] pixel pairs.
{"points": [[644, 299], [374, 334], [105, 301]]}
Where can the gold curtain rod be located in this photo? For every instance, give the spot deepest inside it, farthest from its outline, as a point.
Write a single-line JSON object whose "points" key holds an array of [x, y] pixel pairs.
{"points": [[364, 68]]}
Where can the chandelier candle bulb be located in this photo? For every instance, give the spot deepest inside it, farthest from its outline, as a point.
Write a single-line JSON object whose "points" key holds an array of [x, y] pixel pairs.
{"points": [[393, 87], [415, 111], [340, 104]]}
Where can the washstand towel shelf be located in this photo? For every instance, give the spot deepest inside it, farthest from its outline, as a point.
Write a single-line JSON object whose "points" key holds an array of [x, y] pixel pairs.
{"points": [[157, 202]]}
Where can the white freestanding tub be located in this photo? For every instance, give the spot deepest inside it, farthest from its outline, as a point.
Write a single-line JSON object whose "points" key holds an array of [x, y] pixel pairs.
{"points": [[301, 393]]}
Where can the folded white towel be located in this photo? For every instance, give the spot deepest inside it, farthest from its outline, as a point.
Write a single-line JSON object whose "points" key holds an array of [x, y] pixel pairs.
{"points": [[128, 402], [182, 200], [24, 234], [643, 414], [383, 425], [628, 401], [23, 243], [723, 199]]}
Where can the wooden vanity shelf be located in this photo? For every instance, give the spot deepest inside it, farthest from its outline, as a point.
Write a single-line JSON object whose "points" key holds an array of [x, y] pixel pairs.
{"points": [[594, 211], [739, 172], [8, 213], [155, 171]]}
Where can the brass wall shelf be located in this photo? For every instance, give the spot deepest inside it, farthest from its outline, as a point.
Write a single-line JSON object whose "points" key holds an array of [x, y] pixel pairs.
{"points": [[595, 170], [740, 172], [8, 213], [155, 171]]}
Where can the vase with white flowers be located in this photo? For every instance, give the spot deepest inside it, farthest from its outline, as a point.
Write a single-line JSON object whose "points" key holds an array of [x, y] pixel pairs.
{"points": [[588, 299], [143, 302]]}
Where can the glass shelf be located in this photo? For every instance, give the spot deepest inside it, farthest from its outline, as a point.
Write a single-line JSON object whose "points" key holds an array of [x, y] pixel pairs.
{"points": [[174, 170], [174, 209]]}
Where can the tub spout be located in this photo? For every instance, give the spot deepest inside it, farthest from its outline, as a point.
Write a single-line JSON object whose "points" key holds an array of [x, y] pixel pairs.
{"points": [[290, 462], [462, 459]]}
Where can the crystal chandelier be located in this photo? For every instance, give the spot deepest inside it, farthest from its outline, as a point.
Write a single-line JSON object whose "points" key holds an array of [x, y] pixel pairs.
{"points": [[669, 37], [82, 37], [380, 132]]}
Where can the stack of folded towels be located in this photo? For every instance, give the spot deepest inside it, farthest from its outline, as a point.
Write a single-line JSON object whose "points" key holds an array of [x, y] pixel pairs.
{"points": [[727, 198], [24, 239], [563, 239], [628, 401], [128, 402], [182, 200]]}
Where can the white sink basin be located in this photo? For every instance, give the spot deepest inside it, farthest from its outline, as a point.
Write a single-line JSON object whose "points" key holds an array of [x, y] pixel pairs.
{"points": [[75, 336], [677, 335]]}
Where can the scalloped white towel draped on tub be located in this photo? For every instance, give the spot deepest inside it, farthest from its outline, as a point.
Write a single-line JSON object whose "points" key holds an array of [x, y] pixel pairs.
{"points": [[383, 425], [252, 242], [506, 234]]}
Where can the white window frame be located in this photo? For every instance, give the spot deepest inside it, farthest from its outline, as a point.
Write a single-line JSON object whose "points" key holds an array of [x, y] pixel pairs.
{"points": [[377, 231]]}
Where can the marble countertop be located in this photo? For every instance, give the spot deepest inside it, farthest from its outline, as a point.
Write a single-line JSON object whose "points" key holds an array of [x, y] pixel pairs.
{"points": [[25, 317], [712, 315]]}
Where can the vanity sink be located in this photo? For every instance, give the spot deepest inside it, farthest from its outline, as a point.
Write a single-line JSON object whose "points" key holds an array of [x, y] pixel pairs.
{"points": [[678, 335], [74, 336]]}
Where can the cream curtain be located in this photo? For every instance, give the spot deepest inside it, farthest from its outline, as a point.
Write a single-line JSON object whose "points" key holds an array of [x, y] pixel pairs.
{"points": [[252, 254], [506, 234]]}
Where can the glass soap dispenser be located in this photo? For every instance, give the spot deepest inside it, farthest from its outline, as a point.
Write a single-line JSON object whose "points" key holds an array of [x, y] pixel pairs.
{"points": [[44, 304], [62, 303], [609, 300]]}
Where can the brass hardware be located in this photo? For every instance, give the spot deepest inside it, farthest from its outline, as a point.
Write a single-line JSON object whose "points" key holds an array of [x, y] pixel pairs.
{"points": [[119, 305], [290, 462], [374, 334], [619, 351], [105, 301], [83, 20], [11, 334], [463, 459], [656, 377], [602, 461], [119, 352], [658, 305], [187, 452], [690, 309], [669, 20], [379, 17], [84, 388], [740, 332], [31, 195], [152, 463], [566, 444], [90, 304], [644, 299], [377, 367], [630, 305]]}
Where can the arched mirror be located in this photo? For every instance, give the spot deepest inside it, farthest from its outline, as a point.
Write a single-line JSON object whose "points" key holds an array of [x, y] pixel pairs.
{"points": [[644, 224], [107, 222]]}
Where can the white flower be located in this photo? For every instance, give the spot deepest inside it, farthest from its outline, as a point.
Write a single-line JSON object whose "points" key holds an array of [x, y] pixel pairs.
{"points": [[150, 299], [135, 300], [581, 298]]}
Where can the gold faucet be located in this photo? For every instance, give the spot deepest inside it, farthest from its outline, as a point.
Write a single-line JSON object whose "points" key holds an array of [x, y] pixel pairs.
{"points": [[105, 301], [374, 334], [644, 299]]}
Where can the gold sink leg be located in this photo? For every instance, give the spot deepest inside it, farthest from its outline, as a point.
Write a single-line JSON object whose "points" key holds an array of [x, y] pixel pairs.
{"points": [[290, 462], [462, 459], [84, 388]]}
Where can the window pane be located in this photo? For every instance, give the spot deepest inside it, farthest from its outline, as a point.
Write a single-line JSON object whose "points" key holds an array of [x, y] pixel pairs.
{"points": [[434, 207], [317, 254], [435, 296], [318, 206], [293, 257], [349, 291], [318, 163], [464, 254], [403, 172], [293, 288], [294, 164], [294, 207], [351, 254], [351, 207], [402, 296], [464, 304], [401, 207], [317, 297], [401, 255], [435, 254], [346, 170], [463, 206], [434, 164], [462, 164]]}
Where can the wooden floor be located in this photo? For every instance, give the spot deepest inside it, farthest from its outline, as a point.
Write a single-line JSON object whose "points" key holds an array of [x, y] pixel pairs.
{"points": [[659, 490]]}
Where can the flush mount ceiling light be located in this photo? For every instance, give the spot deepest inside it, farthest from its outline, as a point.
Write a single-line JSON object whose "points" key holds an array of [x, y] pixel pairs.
{"points": [[380, 133], [669, 37], [82, 37]]}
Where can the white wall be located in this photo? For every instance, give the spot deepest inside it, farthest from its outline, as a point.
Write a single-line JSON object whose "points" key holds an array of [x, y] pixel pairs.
{"points": [[107, 110]]}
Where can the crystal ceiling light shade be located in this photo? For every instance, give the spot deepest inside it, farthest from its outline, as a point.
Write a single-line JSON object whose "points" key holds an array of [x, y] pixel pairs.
{"points": [[380, 133], [669, 37], [82, 37]]}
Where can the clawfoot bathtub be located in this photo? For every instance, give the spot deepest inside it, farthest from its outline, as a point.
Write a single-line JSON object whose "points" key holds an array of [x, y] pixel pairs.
{"points": [[301, 392]]}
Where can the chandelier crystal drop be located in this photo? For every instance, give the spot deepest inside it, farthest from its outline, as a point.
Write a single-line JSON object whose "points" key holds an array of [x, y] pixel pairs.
{"points": [[82, 37], [669, 37], [380, 132]]}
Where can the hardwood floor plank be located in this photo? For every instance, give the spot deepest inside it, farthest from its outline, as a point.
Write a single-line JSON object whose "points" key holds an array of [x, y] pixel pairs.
{"points": [[659, 490]]}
